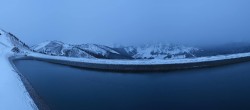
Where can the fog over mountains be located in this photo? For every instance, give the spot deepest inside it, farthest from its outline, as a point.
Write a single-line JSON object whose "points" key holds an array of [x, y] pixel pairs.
{"points": [[154, 51], [148, 51]]}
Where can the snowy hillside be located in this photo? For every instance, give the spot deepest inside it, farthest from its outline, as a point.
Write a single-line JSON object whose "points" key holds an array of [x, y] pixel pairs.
{"points": [[159, 51], [58, 48], [99, 51], [13, 95], [9, 40]]}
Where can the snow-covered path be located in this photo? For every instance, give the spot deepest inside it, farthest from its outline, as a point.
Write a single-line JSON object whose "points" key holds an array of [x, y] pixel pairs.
{"points": [[13, 95]]}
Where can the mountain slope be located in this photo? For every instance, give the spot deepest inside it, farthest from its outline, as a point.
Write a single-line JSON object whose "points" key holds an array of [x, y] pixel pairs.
{"points": [[8, 40], [80, 51], [60, 49], [158, 51], [13, 93], [101, 51]]}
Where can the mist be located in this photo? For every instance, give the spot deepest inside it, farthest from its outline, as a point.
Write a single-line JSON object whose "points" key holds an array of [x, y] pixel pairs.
{"points": [[127, 22]]}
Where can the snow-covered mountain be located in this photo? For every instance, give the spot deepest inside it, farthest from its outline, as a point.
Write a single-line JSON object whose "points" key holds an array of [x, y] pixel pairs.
{"points": [[149, 51], [85, 50], [156, 51], [159, 51], [60, 49], [57, 48], [9, 40]]}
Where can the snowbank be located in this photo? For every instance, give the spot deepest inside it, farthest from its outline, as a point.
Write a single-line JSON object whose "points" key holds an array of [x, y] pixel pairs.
{"points": [[13, 95]]}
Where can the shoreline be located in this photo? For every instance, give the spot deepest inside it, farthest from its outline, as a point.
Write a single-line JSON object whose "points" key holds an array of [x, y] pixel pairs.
{"points": [[138, 68], [143, 68], [33, 94]]}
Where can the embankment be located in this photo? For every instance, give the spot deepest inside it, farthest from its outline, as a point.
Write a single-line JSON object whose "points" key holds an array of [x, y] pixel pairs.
{"points": [[140, 67], [36, 98]]}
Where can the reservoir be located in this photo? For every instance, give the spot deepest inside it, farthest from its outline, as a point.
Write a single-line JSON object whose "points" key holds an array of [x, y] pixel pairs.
{"points": [[68, 88]]}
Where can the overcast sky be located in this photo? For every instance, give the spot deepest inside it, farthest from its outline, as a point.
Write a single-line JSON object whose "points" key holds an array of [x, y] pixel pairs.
{"points": [[127, 21]]}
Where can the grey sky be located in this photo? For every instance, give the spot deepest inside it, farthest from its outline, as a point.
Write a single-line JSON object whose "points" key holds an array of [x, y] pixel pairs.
{"points": [[127, 21]]}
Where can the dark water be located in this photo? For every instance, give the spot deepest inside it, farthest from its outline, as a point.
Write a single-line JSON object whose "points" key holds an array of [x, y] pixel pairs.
{"points": [[67, 88]]}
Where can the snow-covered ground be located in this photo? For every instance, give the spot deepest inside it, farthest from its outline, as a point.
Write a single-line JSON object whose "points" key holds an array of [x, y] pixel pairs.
{"points": [[13, 95]]}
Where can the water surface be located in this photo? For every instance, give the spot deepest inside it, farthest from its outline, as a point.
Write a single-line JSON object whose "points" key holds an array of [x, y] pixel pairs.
{"points": [[68, 88]]}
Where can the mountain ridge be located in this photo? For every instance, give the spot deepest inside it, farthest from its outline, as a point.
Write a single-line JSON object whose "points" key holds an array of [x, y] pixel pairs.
{"points": [[97, 51], [157, 51]]}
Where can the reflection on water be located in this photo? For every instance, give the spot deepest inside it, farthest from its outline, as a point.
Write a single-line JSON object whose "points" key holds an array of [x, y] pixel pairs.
{"points": [[67, 88]]}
